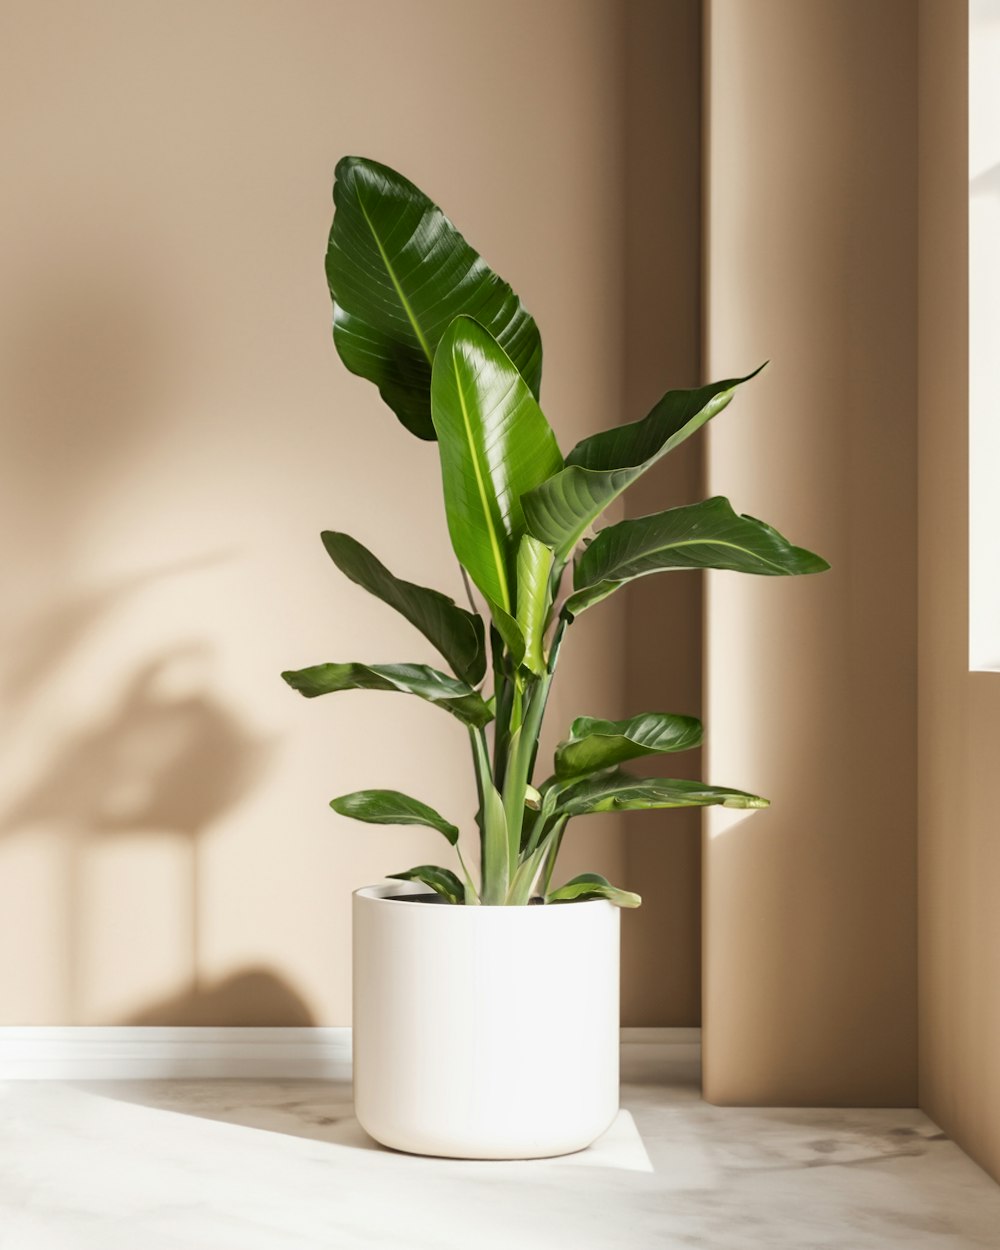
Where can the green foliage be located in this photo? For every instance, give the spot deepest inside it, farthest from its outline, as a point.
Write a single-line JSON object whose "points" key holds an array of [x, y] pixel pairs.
{"points": [[457, 634], [707, 535], [597, 744], [399, 273], [495, 446], [390, 807], [534, 568], [427, 683], [592, 885], [454, 354], [598, 470], [621, 792], [441, 880]]}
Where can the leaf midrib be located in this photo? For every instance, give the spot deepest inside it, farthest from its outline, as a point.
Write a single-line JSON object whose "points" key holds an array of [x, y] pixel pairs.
{"points": [[395, 282], [481, 487], [690, 542]]}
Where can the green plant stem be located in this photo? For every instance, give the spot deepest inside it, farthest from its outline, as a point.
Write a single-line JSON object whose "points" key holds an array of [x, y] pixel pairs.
{"points": [[554, 649], [494, 866], [477, 741], [503, 690], [468, 589], [519, 893], [554, 847], [557, 641], [544, 816], [471, 894], [523, 747], [523, 752]]}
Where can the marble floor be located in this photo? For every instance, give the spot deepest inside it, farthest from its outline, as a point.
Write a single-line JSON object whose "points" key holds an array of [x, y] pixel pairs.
{"points": [[282, 1165]]}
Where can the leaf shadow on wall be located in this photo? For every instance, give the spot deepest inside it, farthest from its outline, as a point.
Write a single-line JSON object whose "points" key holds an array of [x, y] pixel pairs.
{"points": [[166, 761], [99, 363]]}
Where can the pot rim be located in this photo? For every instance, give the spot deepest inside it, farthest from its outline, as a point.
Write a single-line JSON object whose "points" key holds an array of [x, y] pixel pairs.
{"points": [[390, 892]]}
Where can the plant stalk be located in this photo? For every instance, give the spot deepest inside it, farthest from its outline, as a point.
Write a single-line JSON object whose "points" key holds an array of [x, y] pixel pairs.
{"points": [[494, 864], [523, 748], [554, 847]]}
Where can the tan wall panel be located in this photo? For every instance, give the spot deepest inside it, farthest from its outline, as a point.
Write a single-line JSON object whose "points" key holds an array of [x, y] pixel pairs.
{"points": [[810, 940], [177, 430], [959, 711], [662, 205]]}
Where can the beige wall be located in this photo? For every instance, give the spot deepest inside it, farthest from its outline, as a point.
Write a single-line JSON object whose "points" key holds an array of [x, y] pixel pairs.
{"points": [[177, 431], [959, 711], [661, 981], [810, 942]]}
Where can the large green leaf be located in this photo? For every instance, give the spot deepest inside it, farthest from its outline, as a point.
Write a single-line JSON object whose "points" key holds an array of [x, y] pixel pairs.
{"points": [[390, 807], [590, 885], [441, 880], [454, 696], [457, 634], [495, 446], [534, 564], [399, 272], [562, 509], [620, 792], [707, 535], [597, 744]]}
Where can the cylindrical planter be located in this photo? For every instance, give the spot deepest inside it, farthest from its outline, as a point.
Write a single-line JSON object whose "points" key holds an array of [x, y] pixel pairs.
{"points": [[484, 1032]]}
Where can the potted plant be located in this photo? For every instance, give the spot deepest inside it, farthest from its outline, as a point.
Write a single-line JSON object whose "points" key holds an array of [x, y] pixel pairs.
{"points": [[486, 1025]]}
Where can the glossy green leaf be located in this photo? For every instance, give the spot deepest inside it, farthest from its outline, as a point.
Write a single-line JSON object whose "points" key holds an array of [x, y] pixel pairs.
{"points": [[534, 564], [495, 446], [620, 792], [399, 273], [590, 885], [459, 635], [509, 631], [708, 535], [427, 683], [441, 880], [597, 744], [562, 509], [390, 807]]}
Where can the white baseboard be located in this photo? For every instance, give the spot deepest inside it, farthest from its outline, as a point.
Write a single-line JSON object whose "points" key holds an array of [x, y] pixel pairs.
{"points": [[139, 1053], [152, 1053]]}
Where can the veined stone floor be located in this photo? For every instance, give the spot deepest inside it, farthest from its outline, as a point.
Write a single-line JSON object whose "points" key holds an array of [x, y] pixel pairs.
{"points": [[282, 1165]]}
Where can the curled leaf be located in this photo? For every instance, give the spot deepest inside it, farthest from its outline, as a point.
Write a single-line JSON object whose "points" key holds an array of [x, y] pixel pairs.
{"points": [[590, 885], [441, 880]]}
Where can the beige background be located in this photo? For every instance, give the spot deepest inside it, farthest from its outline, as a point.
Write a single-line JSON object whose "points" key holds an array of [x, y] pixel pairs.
{"points": [[661, 969], [959, 711], [177, 431], [810, 934]]}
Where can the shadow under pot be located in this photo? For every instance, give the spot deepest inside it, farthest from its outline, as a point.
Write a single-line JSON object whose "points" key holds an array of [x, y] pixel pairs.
{"points": [[484, 1032]]}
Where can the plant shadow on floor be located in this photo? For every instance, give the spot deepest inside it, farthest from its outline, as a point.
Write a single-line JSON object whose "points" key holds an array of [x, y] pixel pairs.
{"points": [[316, 1110]]}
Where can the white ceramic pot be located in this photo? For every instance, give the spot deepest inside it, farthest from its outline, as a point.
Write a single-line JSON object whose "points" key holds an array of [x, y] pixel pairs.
{"points": [[484, 1032]]}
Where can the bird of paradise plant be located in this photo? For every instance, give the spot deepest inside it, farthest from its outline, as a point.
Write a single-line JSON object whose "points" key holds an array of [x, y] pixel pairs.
{"points": [[458, 359]]}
